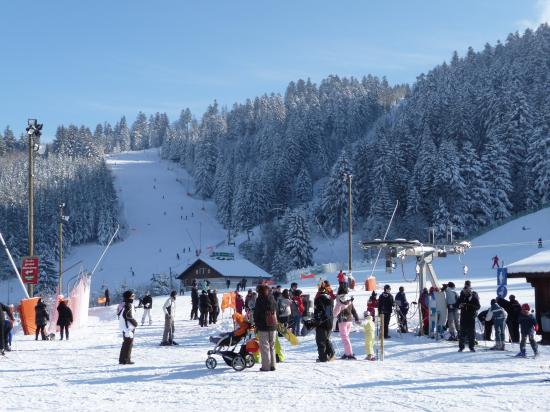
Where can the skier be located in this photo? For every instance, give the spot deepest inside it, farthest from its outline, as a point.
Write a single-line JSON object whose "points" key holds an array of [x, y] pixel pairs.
{"points": [[425, 310], [5, 328], [528, 326], [513, 309], [385, 306], [147, 303], [540, 243], [497, 315], [495, 262], [194, 303], [64, 318], [284, 309], [213, 315], [107, 298], [41, 319], [468, 303], [370, 330], [178, 256], [345, 313], [127, 324], [322, 315], [205, 307], [403, 309], [169, 309], [452, 310]]}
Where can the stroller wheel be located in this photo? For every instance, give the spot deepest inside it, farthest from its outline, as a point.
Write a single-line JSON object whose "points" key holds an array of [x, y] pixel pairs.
{"points": [[211, 362], [238, 363], [249, 360]]}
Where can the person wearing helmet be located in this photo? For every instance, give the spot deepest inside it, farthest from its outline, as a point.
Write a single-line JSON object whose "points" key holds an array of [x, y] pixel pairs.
{"points": [[169, 309], [127, 324], [528, 326], [385, 307], [147, 303]]}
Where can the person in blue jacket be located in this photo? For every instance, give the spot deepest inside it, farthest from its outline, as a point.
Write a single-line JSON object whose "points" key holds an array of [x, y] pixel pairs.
{"points": [[498, 316], [527, 325]]}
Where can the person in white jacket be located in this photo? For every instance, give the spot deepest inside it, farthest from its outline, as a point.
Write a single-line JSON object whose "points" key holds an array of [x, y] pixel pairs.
{"points": [[169, 309], [498, 315], [127, 324], [451, 296]]}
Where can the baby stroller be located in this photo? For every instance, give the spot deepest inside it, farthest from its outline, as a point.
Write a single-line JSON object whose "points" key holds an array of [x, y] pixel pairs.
{"points": [[226, 347]]}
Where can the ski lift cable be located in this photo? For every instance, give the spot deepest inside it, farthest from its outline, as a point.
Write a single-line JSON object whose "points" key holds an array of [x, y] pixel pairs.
{"points": [[385, 235], [509, 244]]}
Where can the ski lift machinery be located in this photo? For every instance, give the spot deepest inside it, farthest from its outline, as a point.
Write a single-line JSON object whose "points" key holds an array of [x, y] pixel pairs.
{"points": [[424, 254]]}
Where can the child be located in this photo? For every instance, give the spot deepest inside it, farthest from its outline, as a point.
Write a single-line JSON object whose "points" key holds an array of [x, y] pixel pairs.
{"points": [[369, 337], [528, 325]]}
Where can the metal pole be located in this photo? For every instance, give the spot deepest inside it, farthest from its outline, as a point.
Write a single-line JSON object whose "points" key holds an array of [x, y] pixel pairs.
{"points": [[31, 203], [382, 336], [60, 287], [350, 223]]}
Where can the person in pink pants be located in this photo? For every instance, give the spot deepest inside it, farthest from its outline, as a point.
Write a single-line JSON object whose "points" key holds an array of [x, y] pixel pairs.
{"points": [[345, 313]]}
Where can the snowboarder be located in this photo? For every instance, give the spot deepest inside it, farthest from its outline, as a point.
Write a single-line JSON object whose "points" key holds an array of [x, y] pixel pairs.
{"points": [[205, 307], [322, 320], [64, 318], [147, 303], [178, 256], [452, 310], [385, 306], [513, 309], [41, 319], [495, 262], [370, 331], [345, 313], [283, 308], [169, 309], [107, 297], [468, 303], [528, 325], [127, 324], [402, 309], [497, 315], [194, 303]]}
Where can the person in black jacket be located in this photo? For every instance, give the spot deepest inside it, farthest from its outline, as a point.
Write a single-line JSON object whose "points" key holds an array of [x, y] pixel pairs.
{"points": [[513, 309], [403, 305], [41, 318], [468, 303], [107, 298], [487, 324], [205, 307], [194, 303], [322, 319], [64, 318], [385, 306], [147, 303], [213, 315], [127, 324], [4, 331], [265, 319]]}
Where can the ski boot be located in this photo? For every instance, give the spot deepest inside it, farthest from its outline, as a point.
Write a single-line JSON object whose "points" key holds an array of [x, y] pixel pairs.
{"points": [[521, 354]]}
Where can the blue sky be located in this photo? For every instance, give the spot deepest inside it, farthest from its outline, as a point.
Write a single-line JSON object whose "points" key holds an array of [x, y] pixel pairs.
{"points": [[90, 61]]}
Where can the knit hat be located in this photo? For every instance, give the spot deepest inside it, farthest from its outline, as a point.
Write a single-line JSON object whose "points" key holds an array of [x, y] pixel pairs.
{"points": [[387, 287], [526, 307], [128, 295]]}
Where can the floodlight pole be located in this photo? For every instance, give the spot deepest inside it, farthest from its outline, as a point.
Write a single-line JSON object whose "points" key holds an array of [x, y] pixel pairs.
{"points": [[60, 287], [348, 178], [30, 134]]}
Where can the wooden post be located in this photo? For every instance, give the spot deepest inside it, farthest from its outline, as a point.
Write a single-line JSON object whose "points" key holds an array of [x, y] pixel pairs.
{"points": [[381, 336]]}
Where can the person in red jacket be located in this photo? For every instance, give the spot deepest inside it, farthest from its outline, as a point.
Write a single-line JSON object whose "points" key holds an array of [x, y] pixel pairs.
{"points": [[239, 303], [425, 309], [372, 304]]}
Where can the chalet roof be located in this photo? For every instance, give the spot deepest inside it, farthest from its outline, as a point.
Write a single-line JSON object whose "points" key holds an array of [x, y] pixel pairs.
{"points": [[537, 263], [235, 268]]}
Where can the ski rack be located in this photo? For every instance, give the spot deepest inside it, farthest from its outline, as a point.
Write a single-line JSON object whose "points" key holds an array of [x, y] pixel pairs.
{"points": [[425, 254]]}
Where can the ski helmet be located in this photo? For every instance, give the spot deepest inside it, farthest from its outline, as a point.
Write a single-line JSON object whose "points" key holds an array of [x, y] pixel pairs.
{"points": [[387, 287]]}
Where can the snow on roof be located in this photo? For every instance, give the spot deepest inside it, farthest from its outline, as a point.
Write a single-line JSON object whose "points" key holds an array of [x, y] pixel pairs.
{"points": [[537, 263], [237, 268]]}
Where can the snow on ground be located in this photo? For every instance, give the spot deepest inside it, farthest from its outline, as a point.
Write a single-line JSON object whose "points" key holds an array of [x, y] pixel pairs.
{"points": [[417, 373]]}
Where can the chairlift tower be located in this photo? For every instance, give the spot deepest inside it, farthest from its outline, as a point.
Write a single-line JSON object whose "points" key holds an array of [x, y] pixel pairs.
{"points": [[402, 248]]}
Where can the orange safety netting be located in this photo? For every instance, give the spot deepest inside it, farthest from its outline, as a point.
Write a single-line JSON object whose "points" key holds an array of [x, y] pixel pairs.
{"points": [[26, 310], [228, 301]]}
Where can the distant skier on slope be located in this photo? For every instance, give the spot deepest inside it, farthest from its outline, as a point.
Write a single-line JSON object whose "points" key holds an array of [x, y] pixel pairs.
{"points": [[495, 262]]}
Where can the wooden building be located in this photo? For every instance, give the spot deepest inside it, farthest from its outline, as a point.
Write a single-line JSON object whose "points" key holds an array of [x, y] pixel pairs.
{"points": [[218, 272]]}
